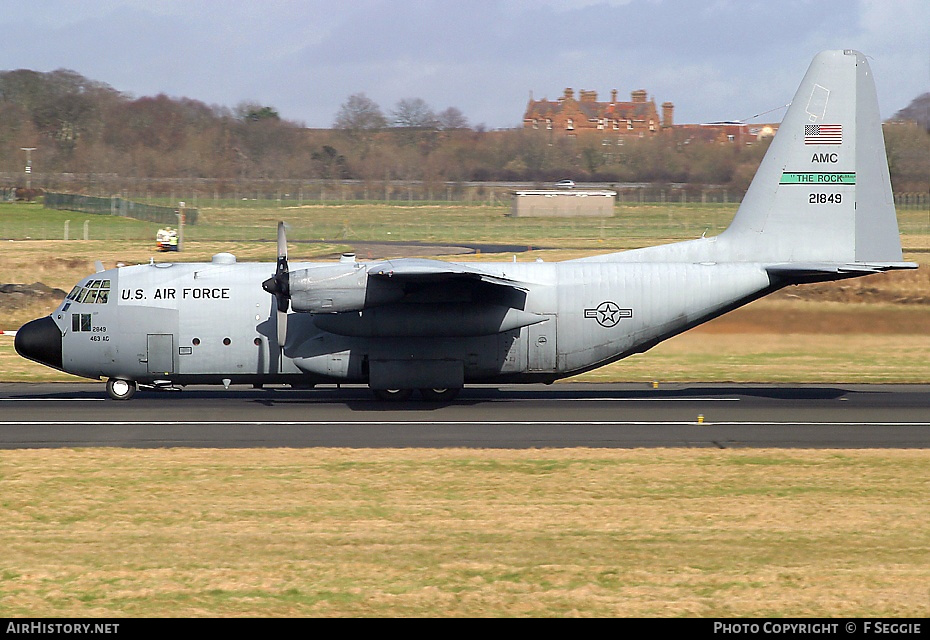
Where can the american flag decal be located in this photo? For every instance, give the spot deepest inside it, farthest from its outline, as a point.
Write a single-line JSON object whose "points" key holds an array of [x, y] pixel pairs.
{"points": [[823, 134]]}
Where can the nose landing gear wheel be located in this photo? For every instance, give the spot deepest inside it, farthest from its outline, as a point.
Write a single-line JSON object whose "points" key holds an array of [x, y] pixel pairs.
{"points": [[439, 395], [393, 395], [119, 389]]}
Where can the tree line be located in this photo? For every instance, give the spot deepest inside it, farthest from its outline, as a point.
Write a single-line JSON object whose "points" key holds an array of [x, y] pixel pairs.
{"points": [[79, 125]]}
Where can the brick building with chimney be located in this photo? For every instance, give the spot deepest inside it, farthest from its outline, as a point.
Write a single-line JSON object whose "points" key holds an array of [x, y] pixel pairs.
{"points": [[616, 120], [572, 116]]}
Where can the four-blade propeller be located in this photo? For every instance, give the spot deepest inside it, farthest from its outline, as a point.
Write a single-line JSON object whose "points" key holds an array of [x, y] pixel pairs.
{"points": [[279, 285]]}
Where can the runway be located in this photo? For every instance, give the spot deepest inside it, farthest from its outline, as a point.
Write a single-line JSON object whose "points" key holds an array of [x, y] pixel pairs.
{"points": [[531, 416]]}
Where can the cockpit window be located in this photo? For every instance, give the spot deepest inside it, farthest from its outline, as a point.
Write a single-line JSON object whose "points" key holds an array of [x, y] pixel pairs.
{"points": [[96, 291]]}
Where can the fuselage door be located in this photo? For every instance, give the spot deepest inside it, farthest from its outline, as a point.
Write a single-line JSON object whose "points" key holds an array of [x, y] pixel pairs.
{"points": [[161, 353], [541, 345]]}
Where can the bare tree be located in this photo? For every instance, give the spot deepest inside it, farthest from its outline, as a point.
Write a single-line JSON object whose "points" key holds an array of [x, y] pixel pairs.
{"points": [[414, 113], [359, 113], [917, 111], [451, 119]]}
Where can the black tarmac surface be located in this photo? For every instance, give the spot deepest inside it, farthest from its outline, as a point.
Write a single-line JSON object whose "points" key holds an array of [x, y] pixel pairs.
{"points": [[532, 416]]}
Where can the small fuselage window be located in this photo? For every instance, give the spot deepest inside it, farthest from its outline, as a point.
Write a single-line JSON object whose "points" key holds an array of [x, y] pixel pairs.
{"points": [[80, 322]]}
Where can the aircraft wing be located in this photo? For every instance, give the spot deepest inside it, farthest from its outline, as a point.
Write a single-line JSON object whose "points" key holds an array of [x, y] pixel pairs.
{"points": [[353, 287], [421, 270]]}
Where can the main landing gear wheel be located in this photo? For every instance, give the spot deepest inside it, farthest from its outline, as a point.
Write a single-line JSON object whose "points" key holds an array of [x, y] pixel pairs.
{"points": [[393, 395], [119, 389], [439, 395]]}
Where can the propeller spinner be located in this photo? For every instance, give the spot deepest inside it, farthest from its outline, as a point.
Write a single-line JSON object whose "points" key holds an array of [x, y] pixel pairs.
{"points": [[279, 285]]}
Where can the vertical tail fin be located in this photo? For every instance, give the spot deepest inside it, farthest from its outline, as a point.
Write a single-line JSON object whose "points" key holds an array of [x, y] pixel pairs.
{"points": [[822, 192]]}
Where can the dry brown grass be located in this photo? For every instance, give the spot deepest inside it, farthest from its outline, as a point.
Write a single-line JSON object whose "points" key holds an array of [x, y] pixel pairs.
{"points": [[323, 532], [794, 358], [61, 264]]}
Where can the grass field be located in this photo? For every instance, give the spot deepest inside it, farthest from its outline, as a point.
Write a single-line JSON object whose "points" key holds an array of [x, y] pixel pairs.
{"points": [[633, 224], [324, 532]]}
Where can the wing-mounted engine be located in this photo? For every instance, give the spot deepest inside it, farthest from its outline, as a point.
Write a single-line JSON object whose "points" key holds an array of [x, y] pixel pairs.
{"points": [[341, 287], [400, 298]]}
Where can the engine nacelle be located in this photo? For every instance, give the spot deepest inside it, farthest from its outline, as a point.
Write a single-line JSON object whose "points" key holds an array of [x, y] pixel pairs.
{"points": [[339, 287]]}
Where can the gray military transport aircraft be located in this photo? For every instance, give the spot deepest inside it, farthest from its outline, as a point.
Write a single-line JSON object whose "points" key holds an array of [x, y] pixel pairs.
{"points": [[819, 208]]}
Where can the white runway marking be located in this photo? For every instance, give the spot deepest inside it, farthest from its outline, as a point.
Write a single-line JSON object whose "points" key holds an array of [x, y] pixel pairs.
{"points": [[598, 399], [534, 400], [638, 400], [413, 423]]}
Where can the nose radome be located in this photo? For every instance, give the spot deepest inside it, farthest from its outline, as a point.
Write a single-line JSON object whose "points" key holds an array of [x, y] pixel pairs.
{"points": [[40, 340]]}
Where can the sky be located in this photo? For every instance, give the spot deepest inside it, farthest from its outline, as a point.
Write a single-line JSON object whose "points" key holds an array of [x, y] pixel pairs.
{"points": [[715, 59]]}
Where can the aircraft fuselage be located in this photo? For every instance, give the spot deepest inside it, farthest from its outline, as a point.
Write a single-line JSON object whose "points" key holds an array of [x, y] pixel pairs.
{"points": [[208, 322]]}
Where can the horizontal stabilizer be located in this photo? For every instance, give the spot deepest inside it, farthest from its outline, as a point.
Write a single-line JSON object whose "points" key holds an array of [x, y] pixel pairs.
{"points": [[824, 271]]}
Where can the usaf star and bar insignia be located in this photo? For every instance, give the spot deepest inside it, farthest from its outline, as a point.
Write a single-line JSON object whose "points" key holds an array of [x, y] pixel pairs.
{"points": [[608, 313]]}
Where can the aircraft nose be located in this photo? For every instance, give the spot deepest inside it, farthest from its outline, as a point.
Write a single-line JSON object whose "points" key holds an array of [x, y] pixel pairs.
{"points": [[40, 340]]}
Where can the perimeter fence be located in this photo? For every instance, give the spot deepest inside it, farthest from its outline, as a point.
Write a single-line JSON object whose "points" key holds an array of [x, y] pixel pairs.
{"points": [[262, 193], [117, 206], [199, 193]]}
